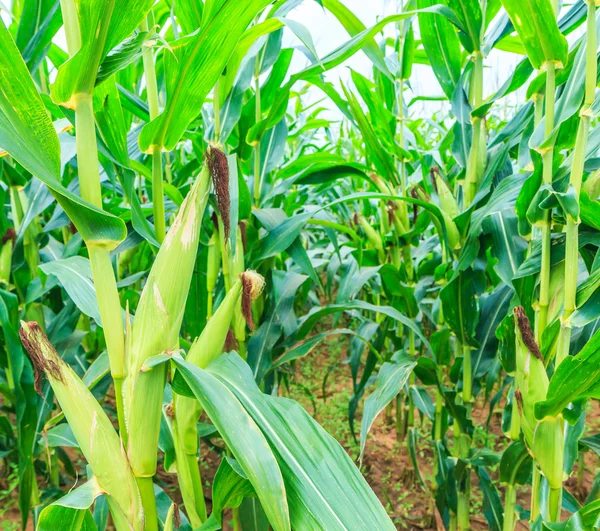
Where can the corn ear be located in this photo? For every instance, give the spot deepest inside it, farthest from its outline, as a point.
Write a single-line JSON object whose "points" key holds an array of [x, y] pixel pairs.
{"points": [[451, 231], [237, 268], [448, 203], [91, 427], [156, 327], [532, 380], [214, 258], [208, 346], [549, 450], [6, 252], [372, 235]]}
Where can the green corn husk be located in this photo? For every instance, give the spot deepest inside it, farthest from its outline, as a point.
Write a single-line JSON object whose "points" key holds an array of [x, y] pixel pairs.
{"points": [[212, 269], [6, 252], [207, 347], [398, 207], [372, 235], [156, 328], [532, 380], [449, 210], [239, 323], [549, 450], [452, 231], [91, 427], [448, 203], [187, 410]]}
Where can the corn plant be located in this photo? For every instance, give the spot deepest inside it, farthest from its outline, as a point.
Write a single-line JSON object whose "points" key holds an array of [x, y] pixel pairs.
{"points": [[137, 336], [180, 215]]}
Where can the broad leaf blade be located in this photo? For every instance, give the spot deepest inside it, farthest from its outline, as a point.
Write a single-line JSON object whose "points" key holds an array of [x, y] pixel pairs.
{"points": [[244, 438], [536, 25], [311, 460]]}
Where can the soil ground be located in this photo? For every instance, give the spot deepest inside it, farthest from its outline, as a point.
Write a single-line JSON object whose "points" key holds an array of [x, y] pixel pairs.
{"points": [[386, 464]]}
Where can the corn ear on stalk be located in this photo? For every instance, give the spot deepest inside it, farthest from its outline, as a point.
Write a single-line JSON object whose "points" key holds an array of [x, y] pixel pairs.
{"points": [[549, 450], [6, 252], [448, 203], [207, 347], [91, 427], [156, 327], [531, 377], [372, 235]]}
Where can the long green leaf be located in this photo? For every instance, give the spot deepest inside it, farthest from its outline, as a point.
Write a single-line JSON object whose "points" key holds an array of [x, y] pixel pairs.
{"points": [[193, 66], [390, 381], [243, 438], [441, 45], [27, 133], [536, 25], [312, 462]]}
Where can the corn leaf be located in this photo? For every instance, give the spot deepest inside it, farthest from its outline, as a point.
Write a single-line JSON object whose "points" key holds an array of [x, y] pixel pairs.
{"points": [[71, 512], [27, 133], [470, 16], [244, 438], [576, 376], [75, 275], [311, 460], [103, 24], [194, 66], [392, 377], [536, 25]]}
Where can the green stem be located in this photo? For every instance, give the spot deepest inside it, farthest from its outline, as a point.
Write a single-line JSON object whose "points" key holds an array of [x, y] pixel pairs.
{"points": [[158, 198], [536, 480], [87, 151], [146, 488], [572, 229], [510, 498], [467, 375], [438, 415], [235, 513], [209, 304], [102, 270], [542, 317], [411, 405], [258, 115], [71, 24], [110, 308], [474, 163], [462, 510], [554, 504], [242, 349]]}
